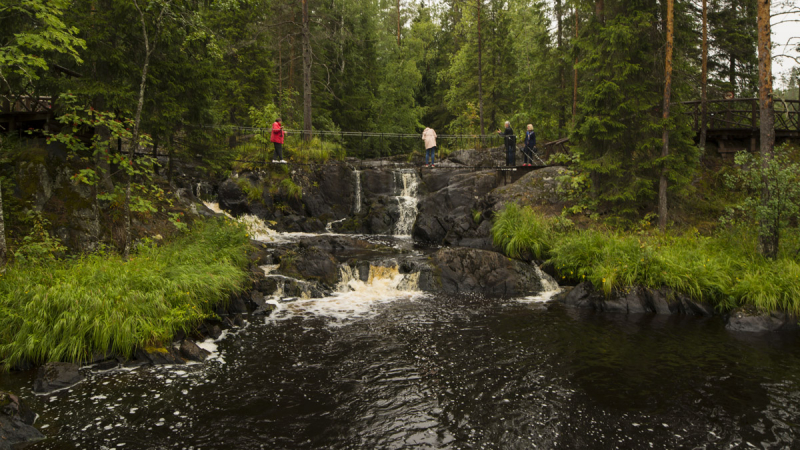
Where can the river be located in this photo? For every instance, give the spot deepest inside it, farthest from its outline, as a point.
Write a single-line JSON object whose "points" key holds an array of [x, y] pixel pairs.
{"points": [[396, 369]]}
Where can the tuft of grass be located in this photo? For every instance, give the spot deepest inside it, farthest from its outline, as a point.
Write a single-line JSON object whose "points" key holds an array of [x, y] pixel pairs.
{"points": [[518, 230], [723, 270], [254, 193], [290, 189], [316, 151], [70, 310]]}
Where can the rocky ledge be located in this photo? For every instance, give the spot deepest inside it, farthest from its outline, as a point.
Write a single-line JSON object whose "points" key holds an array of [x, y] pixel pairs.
{"points": [[636, 300], [16, 422]]}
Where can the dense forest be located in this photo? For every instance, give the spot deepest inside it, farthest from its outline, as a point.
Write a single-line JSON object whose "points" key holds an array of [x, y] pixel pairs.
{"points": [[610, 75], [377, 65]]}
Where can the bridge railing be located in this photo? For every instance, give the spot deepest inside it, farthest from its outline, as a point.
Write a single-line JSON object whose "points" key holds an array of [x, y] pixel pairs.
{"points": [[743, 114]]}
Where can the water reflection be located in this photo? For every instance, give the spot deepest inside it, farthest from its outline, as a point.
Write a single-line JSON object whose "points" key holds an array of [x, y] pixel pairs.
{"points": [[447, 372]]}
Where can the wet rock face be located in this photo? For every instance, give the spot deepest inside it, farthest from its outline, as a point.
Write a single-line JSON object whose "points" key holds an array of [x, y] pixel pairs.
{"points": [[446, 213], [756, 322], [636, 300], [310, 264], [460, 270], [232, 198], [538, 187], [56, 375], [16, 422]]}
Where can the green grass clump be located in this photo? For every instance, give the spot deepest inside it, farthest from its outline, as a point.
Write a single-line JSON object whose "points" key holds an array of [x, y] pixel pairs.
{"points": [[315, 151], [254, 193], [723, 270], [69, 310], [518, 230]]}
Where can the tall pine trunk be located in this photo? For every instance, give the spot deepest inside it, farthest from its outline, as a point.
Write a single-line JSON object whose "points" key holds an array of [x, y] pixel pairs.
{"points": [[768, 231], [561, 75], [704, 82], [662, 184], [306, 74], [575, 73], [480, 68]]}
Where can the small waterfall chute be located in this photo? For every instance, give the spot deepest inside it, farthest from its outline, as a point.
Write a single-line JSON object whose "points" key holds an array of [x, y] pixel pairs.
{"points": [[357, 196], [407, 187], [550, 288]]}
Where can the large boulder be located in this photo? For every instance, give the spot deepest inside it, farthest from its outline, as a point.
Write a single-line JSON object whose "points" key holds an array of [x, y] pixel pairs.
{"points": [[538, 187], [56, 375], [310, 264], [751, 321], [16, 422], [232, 198], [469, 270], [451, 213], [192, 352], [635, 300]]}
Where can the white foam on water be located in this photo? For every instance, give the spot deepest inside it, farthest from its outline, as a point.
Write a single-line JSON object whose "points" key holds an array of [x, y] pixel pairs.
{"points": [[356, 299], [550, 289]]}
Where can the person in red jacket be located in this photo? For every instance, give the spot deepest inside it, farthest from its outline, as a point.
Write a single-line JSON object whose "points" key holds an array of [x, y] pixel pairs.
{"points": [[277, 140]]}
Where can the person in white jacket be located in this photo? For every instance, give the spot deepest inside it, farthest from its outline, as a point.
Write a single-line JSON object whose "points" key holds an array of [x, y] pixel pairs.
{"points": [[429, 137]]}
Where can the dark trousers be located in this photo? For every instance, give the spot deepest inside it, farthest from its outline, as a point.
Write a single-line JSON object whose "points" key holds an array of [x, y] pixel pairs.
{"points": [[278, 151], [511, 153], [527, 155], [430, 154]]}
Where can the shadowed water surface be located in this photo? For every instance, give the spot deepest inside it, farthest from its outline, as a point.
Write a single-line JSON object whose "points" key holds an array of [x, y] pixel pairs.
{"points": [[444, 372]]}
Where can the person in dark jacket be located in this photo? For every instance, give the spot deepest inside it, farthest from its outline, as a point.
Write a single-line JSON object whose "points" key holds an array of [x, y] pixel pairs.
{"points": [[530, 146], [510, 141], [276, 137]]}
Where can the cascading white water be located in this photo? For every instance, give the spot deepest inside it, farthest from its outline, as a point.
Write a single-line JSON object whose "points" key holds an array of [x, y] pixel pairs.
{"points": [[408, 182], [357, 202], [354, 299], [549, 288]]}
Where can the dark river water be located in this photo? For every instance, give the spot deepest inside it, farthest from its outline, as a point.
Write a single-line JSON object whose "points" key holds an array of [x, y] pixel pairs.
{"points": [[444, 372]]}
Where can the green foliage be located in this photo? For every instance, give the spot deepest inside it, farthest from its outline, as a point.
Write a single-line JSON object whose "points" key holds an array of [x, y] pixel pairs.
{"points": [[476, 216], [254, 193], [69, 310], [772, 191], [518, 230], [38, 246], [722, 270], [315, 151], [290, 189], [618, 129], [34, 30]]}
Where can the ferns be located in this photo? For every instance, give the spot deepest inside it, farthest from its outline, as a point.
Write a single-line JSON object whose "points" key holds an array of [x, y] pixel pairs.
{"points": [[67, 311]]}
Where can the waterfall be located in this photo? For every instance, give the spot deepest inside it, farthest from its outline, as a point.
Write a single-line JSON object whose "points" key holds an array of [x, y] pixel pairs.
{"points": [[353, 299], [357, 202], [329, 225], [408, 182], [549, 288]]}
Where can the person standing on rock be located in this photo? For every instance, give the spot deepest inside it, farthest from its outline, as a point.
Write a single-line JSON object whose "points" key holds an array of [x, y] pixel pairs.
{"points": [[277, 139], [530, 146], [429, 137], [510, 141]]}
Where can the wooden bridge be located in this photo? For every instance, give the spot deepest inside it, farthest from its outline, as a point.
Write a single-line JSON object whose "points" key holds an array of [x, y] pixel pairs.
{"points": [[734, 124]]}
